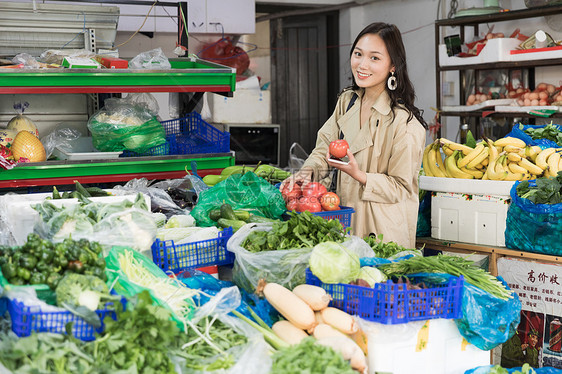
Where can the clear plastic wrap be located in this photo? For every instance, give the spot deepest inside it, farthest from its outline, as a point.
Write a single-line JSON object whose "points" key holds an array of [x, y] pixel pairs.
{"points": [[286, 267], [28, 61], [61, 138], [55, 56], [153, 59]]}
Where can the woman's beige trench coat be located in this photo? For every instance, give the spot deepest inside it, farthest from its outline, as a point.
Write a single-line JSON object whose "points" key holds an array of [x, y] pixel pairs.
{"points": [[390, 151]]}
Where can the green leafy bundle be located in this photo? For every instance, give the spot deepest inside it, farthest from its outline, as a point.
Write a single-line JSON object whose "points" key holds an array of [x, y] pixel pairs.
{"points": [[547, 190], [549, 132], [384, 250], [302, 230], [309, 357]]}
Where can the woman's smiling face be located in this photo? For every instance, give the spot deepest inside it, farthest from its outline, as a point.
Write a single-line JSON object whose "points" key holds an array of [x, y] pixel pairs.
{"points": [[370, 63]]}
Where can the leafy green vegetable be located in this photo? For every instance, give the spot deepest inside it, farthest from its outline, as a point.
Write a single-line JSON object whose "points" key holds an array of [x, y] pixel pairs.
{"points": [[549, 132], [525, 369], [384, 250], [470, 141], [333, 263], [302, 230], [308, 357], [548, 190], [372, 275], [448, 265]]}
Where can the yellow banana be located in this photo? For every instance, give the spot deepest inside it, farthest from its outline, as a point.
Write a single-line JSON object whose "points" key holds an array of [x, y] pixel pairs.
{"points": [[478, 159], [553, 161], [456, 146], [515, 157], [515, 168], [432, 162], [486, 161], [475, 173], [510, 141], [462, 162], [514, 177], [492, 171], [560, 164], [543, 156], [447, 150], [532, 151], [439, 159], [425, 160], [532, 168], [510, 148], [501, 164], [453, 169]]}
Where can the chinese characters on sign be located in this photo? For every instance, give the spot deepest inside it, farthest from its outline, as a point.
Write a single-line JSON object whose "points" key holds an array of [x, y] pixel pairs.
{"points": [[538, 340]]}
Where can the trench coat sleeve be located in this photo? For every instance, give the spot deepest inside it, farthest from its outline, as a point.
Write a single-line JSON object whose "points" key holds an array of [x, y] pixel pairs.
{"points": [[400, 181]]}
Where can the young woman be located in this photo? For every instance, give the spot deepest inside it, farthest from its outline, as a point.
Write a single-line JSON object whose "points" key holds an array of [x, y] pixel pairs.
{"points": [[386, 136]]}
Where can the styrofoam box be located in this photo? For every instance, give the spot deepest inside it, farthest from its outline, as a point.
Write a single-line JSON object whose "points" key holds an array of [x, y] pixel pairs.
{"points": [[83, 149], [17, 211], [468, 186], [405, 349], [469, 218], [495, 50], [246, 106]]}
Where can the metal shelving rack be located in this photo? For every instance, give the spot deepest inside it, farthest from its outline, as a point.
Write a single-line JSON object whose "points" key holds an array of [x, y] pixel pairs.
{"points": [[187, 75], [475, 21]]}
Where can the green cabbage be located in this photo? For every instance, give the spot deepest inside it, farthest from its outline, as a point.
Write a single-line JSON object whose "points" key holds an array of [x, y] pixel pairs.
{"points": [[372, 275], [333, 263]]}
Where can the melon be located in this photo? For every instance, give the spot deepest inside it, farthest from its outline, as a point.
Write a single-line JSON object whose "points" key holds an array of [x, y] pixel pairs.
{"points": [[7, 137], [29, 146], [21, 123]]}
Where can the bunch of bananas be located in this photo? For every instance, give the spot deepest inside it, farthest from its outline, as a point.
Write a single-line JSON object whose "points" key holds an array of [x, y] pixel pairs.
{"points": [[507, 159]]}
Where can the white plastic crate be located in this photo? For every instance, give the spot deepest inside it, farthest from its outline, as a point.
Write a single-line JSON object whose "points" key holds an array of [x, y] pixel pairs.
{"points": [[435, 348], [17, 211], [246, 106], [495, 50], [83, 149], [468, 186], [469, 218]]}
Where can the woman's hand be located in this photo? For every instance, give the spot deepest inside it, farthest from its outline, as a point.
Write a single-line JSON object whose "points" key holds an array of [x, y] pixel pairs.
{"points": [[351, 168], [302, 177]]}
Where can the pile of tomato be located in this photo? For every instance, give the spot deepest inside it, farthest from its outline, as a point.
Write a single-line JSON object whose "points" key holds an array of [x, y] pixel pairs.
{"points": [[313, 197]]}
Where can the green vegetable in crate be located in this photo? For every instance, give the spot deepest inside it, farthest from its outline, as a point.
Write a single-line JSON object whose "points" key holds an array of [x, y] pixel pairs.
{"points": [[547, 190], [82, 295], [333, 263], [549, 132]]}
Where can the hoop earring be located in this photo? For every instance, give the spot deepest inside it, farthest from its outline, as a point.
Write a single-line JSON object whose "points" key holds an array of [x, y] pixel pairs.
{"points": [[391, 83]]}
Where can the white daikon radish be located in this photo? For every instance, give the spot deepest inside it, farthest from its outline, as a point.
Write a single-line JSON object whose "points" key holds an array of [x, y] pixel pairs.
{"points": [[288, 332], [324, 330], [348, 349], [318, 316], [289, 305], [316, 297], [339, 320]]}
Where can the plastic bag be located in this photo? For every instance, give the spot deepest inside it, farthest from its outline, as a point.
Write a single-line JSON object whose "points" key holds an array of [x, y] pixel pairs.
{"points": [[160, 200], [297, 156], [246, 191], [61, 138], [488, 321], [518, 131], [486, 370], [188, 183], [125, 124], [286, 267], [225, 53], [424, 216], [153, 59], [533, 227], [55, 56], [28, 61]]}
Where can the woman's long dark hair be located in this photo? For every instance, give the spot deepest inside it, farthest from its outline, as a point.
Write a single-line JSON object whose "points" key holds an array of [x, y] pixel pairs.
{"points": [[404, 93]]}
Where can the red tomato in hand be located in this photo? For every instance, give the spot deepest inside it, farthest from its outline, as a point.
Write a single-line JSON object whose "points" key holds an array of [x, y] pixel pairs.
{"points": [[310, 203], [292, 204], [330, 201], [338, 148], [295, 193], [314, 189]]}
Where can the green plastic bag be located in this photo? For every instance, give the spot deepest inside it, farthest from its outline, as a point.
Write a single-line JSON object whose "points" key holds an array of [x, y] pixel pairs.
{"points": [[123, 125], [124, 286], [242, 191]]}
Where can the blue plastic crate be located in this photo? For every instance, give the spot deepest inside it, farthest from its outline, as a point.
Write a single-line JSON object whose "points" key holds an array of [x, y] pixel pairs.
{"points": [[26, 319], [391, 303], [343, 215], [180, 257], [159, 150]]}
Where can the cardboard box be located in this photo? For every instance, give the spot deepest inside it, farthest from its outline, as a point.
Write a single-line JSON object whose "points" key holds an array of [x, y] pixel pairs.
{"points": [[469, 218], [80, 63], [247, 106]]}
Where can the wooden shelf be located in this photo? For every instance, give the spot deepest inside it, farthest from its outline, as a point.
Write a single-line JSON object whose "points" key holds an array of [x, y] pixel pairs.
{"points": [[493, 252]]}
